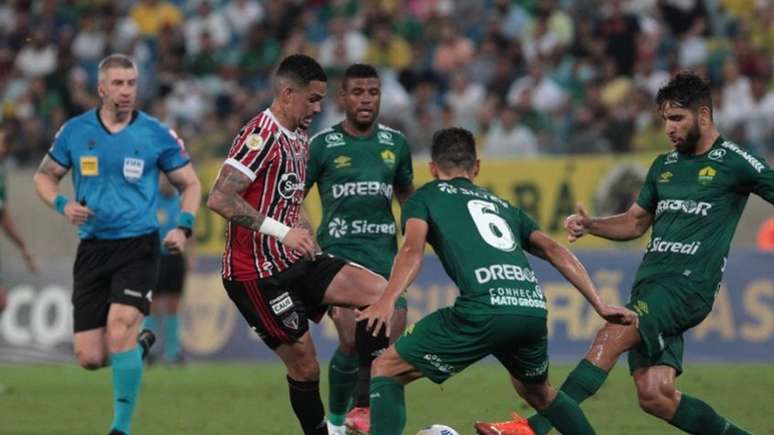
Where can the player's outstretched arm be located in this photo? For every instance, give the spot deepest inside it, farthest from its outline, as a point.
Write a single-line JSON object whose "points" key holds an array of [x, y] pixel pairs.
{"points": [[13, 233], [624, 226], [571, 268], [405, 268], [47, 179], [187, 183], [226, 200]]}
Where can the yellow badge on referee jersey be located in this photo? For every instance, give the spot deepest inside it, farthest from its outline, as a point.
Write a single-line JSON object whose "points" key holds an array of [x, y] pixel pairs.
{"points": [[89, 166]]}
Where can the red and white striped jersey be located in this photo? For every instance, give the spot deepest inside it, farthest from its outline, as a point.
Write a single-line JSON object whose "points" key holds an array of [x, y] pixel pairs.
{"points": [[274, 158]]}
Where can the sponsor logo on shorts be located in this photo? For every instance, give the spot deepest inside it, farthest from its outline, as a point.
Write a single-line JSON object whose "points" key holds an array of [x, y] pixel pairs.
{"points": [[291, 320], [132, 293], [439, 364], [537, 371], [362, 188], [657, 244], [281, 303], [686, 206]]}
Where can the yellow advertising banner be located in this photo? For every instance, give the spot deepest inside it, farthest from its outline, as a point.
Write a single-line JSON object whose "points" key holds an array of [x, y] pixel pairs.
{"points": [[546, 188]]}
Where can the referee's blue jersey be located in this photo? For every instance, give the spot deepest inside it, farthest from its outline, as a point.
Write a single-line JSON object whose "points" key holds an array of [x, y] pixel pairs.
{"points": [[116, 175]]}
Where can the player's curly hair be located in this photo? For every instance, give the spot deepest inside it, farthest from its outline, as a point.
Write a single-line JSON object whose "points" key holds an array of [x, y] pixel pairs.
{"points": [[359, 71], [687, 90], [453, 148]]}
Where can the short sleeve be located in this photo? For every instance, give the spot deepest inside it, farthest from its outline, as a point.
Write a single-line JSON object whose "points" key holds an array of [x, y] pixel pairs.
{"points": [[415, 207], [173, 153], [525, 225], [757, 176], [314, 166], [60, 149], [648, 197], [404, 174], [250, 148]]}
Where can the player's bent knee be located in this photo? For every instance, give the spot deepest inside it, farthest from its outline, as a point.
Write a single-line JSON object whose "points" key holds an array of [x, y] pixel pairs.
{"points": [[305, 369], [91, 360], [539, 396]]}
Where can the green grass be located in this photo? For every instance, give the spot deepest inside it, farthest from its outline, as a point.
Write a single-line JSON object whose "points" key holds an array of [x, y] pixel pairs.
{"points": [[216, 399]]}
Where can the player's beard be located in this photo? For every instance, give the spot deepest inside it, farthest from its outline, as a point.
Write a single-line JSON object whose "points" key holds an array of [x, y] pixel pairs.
{"points": [[691, 141]]}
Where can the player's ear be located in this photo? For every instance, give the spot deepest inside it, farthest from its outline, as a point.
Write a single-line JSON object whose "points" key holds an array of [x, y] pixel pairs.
{"points": [[476, 168], [433, 170]]}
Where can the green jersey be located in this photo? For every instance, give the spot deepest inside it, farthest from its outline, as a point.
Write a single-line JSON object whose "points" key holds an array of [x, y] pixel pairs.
{"points": [[696, 202], [355, 177], [480, 240]]}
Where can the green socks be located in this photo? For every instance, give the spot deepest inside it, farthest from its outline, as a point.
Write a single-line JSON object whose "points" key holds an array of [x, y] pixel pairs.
{"points": [[342, 378], [567, 416], [388, 406], [583, 382], [696, 417]]}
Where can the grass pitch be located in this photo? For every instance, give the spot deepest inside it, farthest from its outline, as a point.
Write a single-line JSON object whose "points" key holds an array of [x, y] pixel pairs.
{"points": [[227, 399]]}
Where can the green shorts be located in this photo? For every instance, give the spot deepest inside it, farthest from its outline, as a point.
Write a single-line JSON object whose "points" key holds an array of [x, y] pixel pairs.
{"points": [[446, 342], [667, 309]]}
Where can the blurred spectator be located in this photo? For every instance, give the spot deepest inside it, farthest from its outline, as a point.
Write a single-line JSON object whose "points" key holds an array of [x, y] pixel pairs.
{"points": [[453, 51], [759, 118], [39, 57], [465, 98], [151, 15], [208, 60], [387, 50], [343, 47], [242, 15], [618, 32], [507, 137], [206, 21], [537, 90], [259, 55]]}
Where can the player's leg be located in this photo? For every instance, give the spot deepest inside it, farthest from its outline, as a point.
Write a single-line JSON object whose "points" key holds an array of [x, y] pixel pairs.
{"points": [[659, 397], [91, 349], [399, 318], [304, 383], [343, 367], [173, 280], [390, 373], [556, 406]]}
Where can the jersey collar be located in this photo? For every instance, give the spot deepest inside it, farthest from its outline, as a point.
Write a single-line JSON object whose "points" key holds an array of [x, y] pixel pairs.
{"points": [[135, 114], [292, 135], [340, 128]]}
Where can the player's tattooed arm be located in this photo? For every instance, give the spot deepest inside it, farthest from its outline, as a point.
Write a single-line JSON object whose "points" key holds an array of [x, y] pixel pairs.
{"points": [[226, 199], [303, 222]]}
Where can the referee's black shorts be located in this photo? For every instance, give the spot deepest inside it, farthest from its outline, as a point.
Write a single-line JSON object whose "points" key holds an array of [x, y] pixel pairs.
{"points": [[120, 271]]}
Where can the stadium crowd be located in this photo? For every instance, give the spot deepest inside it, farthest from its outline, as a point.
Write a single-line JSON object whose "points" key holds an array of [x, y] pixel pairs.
{"points": [[528, 77]]}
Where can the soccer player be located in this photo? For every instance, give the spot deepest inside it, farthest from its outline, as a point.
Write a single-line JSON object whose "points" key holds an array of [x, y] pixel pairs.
{"points": [[272, 269], [7, 222], [358, 164], [693, 198], [501, 311], [116, 154], [173, 268]]}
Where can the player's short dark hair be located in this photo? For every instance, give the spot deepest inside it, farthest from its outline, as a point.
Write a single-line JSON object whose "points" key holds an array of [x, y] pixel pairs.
{"points": [[301, 69], [116, 60], [453, 148], [686, 90], [359, 71]]}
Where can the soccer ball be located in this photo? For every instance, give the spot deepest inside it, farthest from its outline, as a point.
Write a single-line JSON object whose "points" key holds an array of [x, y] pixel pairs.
{"points": [[437, 429]]}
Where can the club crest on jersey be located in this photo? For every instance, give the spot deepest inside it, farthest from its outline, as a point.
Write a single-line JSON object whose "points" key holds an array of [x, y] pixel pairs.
{"points": [[342, 162], [665, 177], [671, 158], [254, 142], [289, 183], [133, 169], [706, 174], [388, 157], [717, 154], [334, 140], [385, 137]]}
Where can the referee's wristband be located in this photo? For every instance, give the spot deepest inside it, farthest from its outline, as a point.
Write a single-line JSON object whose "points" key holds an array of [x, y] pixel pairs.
{"points": [[186, 220], [59, 203], [274, 228]]}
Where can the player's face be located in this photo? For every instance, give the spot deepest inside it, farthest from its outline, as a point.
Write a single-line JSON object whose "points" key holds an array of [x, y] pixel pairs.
{"points": [[307, 102], [361, 98], [118, 89], [682, 127]]}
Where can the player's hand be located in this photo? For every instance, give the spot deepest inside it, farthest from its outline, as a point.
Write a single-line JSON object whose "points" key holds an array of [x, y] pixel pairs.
{"points": [[577, 224], [302, 241], [618, 315], [377, 316], [77, 214], [29, 260], [174, 241]]}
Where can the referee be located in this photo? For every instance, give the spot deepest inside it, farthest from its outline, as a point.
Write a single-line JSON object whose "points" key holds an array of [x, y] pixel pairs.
{"points": [[116, 154]]}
